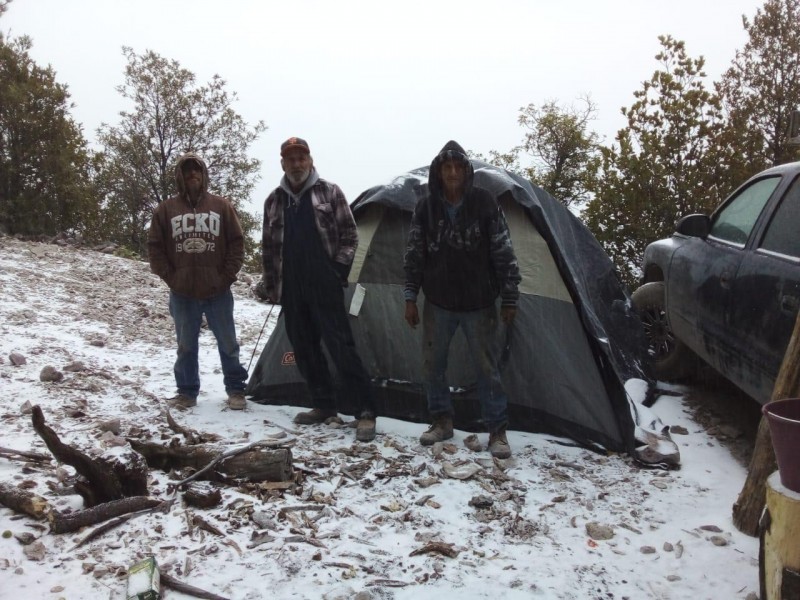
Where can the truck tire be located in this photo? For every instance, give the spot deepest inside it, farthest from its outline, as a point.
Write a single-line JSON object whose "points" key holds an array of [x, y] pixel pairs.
{"points": [[670, 359]]}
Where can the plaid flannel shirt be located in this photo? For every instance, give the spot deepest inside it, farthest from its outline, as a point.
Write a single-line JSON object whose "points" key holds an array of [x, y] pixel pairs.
{"points": [[334, 221]]}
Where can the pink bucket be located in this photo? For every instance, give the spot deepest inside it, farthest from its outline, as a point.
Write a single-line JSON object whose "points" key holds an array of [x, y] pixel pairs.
{"points": [[783, 417]]}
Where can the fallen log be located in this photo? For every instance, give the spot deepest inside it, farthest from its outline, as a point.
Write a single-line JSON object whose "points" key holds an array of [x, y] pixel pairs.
{"points": [[22, 454], [202, 497], [23, 501], [254, 462], [179, 586], [65, 523], [104, 479]]}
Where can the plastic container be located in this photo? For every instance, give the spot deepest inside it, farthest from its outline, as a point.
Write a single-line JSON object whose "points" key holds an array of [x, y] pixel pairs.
{"points": [[783, 417]]}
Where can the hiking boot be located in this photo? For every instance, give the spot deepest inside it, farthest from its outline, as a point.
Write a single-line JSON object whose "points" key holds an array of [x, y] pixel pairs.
{"points": [[498, 444], [236, 401], [314, 416], [441, 429], [365, 429], [182, 402]]}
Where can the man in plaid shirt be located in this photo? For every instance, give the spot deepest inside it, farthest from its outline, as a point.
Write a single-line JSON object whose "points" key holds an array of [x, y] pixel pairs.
{"points": [[308, 244]]}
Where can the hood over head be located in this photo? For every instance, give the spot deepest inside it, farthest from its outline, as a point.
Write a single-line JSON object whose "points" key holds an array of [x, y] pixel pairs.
{"points": [[179, 174], [451, 150]]}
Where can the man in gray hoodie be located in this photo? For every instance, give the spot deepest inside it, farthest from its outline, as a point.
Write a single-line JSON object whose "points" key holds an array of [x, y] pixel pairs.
{"points": [[196, 246], [308, 245]]}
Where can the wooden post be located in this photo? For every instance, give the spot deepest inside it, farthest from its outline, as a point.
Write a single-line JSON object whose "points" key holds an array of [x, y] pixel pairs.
{"points": [[780, 550], [750, 504]]}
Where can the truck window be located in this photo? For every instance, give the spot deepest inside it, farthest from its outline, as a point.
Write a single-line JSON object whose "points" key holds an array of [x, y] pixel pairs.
{"points": [[782, 235], [736, 220]]}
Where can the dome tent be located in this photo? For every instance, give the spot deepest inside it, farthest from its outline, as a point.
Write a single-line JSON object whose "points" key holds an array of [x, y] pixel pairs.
{"points": [[574, 345]]}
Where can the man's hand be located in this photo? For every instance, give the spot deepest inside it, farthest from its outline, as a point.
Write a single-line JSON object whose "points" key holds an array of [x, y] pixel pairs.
{"points": [[412, 314], [507, 314]]}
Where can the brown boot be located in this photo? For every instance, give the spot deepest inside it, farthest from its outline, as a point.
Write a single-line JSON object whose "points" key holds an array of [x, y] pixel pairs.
{"points": [[498, 444], [236, 401], [441, 429], [365, 429], [314, 416]]}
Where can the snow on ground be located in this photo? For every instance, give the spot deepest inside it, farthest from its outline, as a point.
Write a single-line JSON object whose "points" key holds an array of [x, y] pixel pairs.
{"points": [[517, 528]]}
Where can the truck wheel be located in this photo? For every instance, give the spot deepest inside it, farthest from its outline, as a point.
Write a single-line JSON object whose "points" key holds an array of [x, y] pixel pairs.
{"points": [[670, 359]]}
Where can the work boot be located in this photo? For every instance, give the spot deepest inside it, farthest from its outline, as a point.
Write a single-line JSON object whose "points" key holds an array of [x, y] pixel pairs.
{"points": [[441, 429], [498, 444], [365, 429], [236, 401], [314, 416], [182, 402]]}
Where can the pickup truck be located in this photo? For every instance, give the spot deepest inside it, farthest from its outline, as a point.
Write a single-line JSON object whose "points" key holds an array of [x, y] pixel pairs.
{"points": [[726, 287]]}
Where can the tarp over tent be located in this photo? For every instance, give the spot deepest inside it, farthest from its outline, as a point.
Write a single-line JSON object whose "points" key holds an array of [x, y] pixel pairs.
{"points": [[566, 359]]}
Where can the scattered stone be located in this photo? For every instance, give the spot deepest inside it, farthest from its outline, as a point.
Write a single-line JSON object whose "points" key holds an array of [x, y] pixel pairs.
{"points": [[112, 425], [75, 366], [674, 578], [462, 471], [596, 531], [472, 442], [647, 550], [751, 596], [100, 571], [679, 430], [97, 343], [25, 538], [668, 547], [718, 540], [17, 359], [711, 528], [109, 439], [35, 551], [88, 567], [659, 484], [50, 373], [425, 482], [26, 408], [56, 589], [481, 502], [264, 520]]}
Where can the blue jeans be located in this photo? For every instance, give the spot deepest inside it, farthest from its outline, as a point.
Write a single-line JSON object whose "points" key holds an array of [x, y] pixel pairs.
{"points": [[438, 328], [188, 314]]}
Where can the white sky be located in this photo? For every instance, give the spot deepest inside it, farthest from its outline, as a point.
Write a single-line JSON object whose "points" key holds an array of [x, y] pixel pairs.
{"points": [[673, 537], [378, 90]]}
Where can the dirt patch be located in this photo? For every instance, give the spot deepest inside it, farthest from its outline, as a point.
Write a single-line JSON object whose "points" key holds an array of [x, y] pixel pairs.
{"points": [[725, 412]]}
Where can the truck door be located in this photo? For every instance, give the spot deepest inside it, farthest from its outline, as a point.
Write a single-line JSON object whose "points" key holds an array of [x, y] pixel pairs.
{"points": [[766, 294], [703, 271]]}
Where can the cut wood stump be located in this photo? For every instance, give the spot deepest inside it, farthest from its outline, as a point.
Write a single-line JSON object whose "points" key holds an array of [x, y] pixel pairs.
{"points": [[104, 479], [780, 551], [22, 501], [750, 504], [256, 464]]}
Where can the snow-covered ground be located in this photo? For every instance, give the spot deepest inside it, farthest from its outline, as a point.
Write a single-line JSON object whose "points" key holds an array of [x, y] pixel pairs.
{"points": [[515, 529]]}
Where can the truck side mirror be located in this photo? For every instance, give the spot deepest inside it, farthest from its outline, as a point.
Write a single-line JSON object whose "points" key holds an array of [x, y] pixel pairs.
{"points": [[794, 129], [694, 226]]}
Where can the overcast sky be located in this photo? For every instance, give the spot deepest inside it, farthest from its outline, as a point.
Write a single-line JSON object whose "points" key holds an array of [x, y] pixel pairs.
{"points": [[378, 88]]}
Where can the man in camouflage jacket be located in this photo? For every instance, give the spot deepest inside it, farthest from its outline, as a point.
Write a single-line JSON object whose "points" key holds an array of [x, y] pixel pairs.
{"points": [[459, 253]]}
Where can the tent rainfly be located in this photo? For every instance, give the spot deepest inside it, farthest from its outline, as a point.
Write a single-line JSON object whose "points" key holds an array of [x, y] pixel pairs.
{"points": [[571, 361]]}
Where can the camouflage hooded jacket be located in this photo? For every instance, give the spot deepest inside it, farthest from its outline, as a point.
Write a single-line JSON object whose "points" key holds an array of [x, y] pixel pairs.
{"points": [[465, 264]]}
